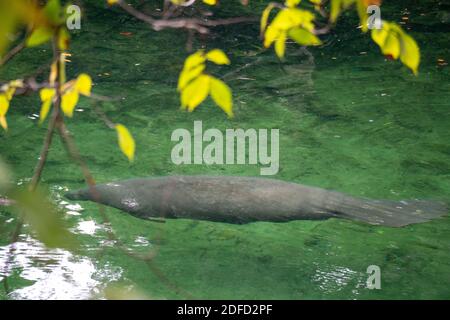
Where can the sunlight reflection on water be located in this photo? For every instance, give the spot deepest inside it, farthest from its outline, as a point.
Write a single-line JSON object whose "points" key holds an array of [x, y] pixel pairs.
{"points": [[336, 278], [56, 273]]}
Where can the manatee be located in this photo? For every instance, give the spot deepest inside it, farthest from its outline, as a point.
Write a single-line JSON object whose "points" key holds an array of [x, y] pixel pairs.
{"points": [[241, 200]]}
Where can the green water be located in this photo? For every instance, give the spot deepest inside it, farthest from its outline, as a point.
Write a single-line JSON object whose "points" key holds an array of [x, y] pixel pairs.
{"points": [[349, 120]]}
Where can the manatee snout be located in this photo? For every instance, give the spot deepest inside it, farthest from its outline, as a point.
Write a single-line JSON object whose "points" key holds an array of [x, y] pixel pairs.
{"points": [[76, 195]]}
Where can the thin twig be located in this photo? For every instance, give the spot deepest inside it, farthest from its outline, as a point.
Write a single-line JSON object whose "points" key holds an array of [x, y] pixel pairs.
{"points": [[46, 147], [11, 54]]}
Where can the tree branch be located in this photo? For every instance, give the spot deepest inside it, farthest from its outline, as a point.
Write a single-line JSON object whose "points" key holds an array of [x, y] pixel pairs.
{"points": [[199, 25]]}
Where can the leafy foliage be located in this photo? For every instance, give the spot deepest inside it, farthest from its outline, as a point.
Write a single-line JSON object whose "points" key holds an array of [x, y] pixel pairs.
{"points": [[195, 85], [396, 43], [290, 22]]}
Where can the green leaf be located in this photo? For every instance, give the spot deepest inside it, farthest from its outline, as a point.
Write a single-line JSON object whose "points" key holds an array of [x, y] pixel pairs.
{"points": [[44, 219], [222, 95], [39, 36]]}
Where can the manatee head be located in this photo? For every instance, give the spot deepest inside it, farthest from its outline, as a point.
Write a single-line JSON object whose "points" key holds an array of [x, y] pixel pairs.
{"points": [[82, 194]]}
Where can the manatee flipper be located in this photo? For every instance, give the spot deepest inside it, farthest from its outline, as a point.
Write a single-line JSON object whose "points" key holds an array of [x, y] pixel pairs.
{"points": [[391, 213]]}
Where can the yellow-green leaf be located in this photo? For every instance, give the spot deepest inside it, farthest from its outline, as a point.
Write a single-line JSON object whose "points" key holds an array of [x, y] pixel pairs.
{"points": [[195, 92], [188, 75], [44, 220], [396, 43], [410, 54], [293, 17], [280, 45], [47, 95], [53, 11], [379, 35], [10, 93], [126, 141], [270, 36], [69, 101], [4, 104], [285, 20], [3, 122], [222, 95], [361, 8], [84, 84], [304, 37], [317, 4], [194, 60], [292, 3], [217, 56], [337, 6], [39, 36], [45, 108], [391, 45], [265, 17]]}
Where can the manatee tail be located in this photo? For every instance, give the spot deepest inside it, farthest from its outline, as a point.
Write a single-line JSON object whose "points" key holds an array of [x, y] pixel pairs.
{"points": [[391, 213]]}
